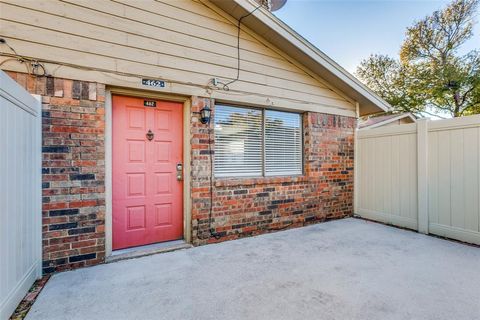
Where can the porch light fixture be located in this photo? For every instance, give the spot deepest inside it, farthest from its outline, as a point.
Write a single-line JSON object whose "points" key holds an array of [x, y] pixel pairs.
{"points": [[205, 115]]}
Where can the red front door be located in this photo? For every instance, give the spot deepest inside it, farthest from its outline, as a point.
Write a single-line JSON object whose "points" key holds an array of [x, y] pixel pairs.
{"points": [[147, 147]]}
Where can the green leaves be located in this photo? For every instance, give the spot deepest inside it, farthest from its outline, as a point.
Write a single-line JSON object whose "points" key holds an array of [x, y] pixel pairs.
{"points": [[429, 74]]}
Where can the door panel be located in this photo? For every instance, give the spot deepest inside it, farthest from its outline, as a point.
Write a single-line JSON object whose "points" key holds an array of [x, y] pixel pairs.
{"points": [[147, 197]]}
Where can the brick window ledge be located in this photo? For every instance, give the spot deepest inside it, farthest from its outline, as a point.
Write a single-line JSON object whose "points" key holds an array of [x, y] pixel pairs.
{"points": [[248, 181]]}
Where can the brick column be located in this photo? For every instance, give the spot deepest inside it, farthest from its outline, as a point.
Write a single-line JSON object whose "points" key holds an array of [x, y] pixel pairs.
{"points": [[201, 137], [329, 144], [73, 170]]}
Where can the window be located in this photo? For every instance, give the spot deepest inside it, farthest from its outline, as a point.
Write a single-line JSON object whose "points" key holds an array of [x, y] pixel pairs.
{"points": [[253, 143], [283, 143], [238, 141]]}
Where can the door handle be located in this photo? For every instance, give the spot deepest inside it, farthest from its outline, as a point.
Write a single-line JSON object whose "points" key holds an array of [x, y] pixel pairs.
{"points": [[179, 171], [150, 135]]}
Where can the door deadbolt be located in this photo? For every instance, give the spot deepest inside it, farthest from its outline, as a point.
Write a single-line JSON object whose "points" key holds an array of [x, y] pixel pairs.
{"points": [[179, 171], [150, 135]]}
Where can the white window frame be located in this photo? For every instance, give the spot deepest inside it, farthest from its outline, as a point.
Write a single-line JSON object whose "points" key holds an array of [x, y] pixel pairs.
{"points": [[263, 147]]}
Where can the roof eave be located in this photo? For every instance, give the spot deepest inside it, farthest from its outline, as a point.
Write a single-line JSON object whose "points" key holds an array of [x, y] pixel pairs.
{"points": [[285, 38], [387, 121]]}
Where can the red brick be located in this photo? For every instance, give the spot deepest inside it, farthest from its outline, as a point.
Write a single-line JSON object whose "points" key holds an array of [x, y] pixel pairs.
{"points": [[68, 123], [241, 207], [82, 244], [318, 195]]}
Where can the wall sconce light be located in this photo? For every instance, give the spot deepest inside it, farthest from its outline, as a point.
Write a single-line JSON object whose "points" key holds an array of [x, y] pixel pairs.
{"points": [[205, 115]]}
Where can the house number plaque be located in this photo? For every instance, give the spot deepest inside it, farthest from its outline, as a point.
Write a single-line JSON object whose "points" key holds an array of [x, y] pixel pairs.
{"points": [[150, 103], [153, 83]]}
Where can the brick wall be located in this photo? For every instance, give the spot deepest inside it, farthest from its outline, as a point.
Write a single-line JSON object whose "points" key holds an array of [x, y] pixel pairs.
{"points": [[73, 170], [74, 173], [243, 207]]}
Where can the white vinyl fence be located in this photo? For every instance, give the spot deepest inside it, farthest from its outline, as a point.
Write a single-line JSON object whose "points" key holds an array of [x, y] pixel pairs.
{"points": [[20, 193], [423, 176]]}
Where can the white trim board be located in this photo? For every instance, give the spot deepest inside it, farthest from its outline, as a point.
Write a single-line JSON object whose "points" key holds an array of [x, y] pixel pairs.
{"points": [[387, 121]]}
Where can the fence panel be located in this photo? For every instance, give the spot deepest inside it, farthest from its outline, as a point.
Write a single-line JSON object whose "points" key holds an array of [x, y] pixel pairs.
{"points": [[20, 193], [454, 178], [387, 176], [423, 176]]}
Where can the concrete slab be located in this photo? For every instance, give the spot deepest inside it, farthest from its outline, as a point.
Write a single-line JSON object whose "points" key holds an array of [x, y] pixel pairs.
{"points": [[346, 269]]}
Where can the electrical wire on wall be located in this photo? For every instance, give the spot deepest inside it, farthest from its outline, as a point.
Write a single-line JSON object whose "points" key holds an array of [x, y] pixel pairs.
{"points": [[37, 68], [34, 64], [212, 185], [213, 85], [225, 86], [39, 63]]}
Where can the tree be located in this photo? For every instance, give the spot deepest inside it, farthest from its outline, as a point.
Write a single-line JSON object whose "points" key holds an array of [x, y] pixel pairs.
{"points": [[430, 76]]}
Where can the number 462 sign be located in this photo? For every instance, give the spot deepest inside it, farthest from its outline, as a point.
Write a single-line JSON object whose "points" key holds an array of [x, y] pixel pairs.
{"points": [[153, 83]]}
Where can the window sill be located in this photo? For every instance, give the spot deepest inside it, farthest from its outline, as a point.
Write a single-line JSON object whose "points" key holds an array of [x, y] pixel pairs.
{"points": [[227, 182]]}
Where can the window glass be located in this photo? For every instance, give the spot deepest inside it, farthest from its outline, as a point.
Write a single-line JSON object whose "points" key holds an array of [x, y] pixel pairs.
{"points": [[253, 142], [283, 143], [238, 141]]}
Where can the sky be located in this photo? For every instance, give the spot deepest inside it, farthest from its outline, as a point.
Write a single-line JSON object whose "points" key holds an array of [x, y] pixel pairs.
{"points": [[350, 30]]}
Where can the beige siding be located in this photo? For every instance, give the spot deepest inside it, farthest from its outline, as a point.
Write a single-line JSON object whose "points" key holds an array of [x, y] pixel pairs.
{"points": [[392, 124], [183, 42], [399, 121], [405, 121]]}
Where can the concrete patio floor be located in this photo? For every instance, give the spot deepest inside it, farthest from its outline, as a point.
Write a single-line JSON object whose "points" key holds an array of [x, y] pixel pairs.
{"points": [[345, 269]]}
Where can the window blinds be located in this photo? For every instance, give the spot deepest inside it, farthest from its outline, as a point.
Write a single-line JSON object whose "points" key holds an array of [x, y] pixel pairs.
{"points": [[238, 141], [252, 142], [283, 143]]}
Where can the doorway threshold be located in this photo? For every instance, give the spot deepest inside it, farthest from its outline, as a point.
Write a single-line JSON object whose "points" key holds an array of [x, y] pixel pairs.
{"points": [[149, 249]]}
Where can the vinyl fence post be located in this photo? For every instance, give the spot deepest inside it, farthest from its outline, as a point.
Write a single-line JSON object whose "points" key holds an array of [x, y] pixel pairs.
{"points": [[356, 162], [38, 184], [422, 174]]}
